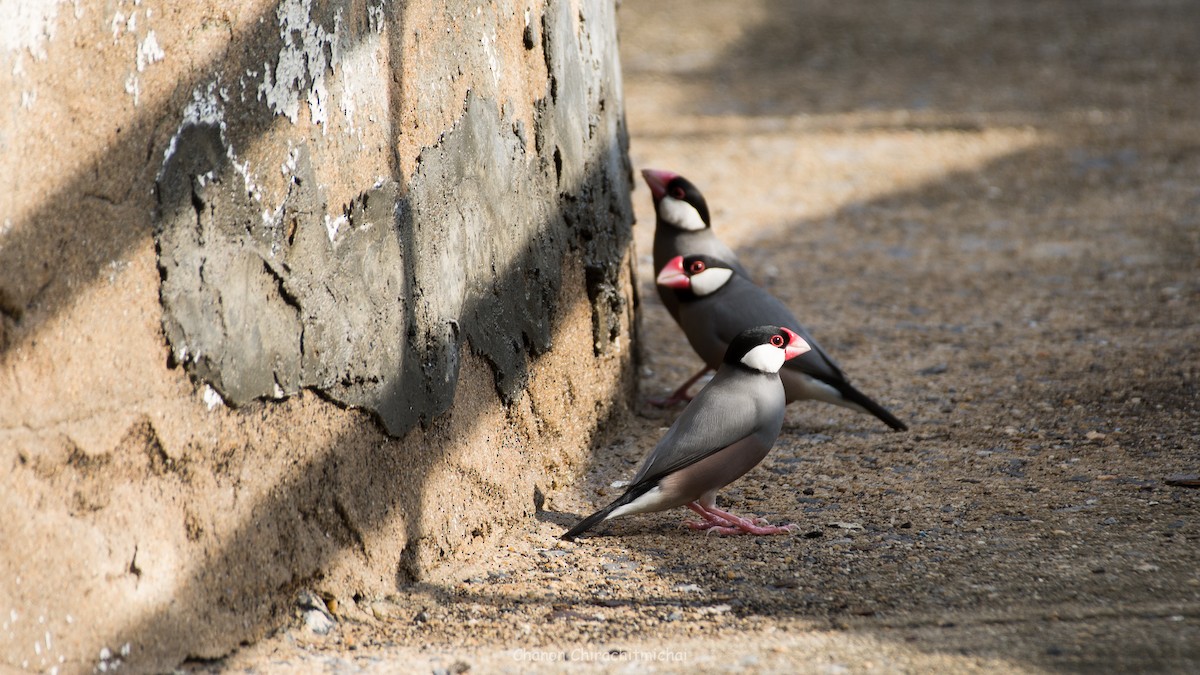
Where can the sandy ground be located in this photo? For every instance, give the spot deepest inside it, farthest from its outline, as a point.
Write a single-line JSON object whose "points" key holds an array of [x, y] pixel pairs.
{"points": [[990, 214]]}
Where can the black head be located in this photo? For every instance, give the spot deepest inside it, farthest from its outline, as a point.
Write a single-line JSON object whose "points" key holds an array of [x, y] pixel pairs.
{"points": [[676, 201], [695, 276], [765, 348]]}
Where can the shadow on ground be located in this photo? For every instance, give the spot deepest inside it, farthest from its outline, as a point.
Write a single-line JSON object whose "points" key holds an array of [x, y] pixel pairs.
{"points": [[1033, 317]]}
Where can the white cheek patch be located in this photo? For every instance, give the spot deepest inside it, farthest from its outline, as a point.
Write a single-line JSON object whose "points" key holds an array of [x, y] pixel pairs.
{"points": [[767, 358], [710, 280], [680, 214]]}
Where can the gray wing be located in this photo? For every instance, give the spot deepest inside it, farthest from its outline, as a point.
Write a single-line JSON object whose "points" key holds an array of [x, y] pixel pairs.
{"points": [[724, 412], [711, 324]]}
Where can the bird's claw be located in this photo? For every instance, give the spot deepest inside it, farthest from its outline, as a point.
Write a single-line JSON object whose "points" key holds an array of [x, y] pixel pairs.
{"points": [[725, 523]]}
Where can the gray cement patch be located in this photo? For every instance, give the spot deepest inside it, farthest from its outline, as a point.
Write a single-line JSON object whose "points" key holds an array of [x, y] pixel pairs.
{"points": [[371, 304]]}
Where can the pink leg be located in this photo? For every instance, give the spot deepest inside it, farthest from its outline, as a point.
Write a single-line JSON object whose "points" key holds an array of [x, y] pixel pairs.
{"points": [[723, 522], [710, 520], [679, 394]]}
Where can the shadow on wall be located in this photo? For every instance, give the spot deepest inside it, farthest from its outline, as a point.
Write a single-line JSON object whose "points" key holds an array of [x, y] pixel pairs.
{"points": [[63, 239], [477, 263], [201, 199]]}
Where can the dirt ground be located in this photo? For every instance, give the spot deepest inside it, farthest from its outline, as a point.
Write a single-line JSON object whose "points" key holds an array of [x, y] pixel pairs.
{"points": [[990, 214]]}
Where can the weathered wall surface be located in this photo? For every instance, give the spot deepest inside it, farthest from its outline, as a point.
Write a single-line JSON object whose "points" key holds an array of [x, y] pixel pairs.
{"points": [[292, 294]]}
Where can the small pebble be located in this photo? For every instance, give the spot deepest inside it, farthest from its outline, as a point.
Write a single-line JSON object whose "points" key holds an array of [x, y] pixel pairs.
{"points": [[318, 622]]}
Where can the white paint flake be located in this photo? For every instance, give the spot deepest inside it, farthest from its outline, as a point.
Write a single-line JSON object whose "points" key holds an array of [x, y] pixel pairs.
{"points": [[375, 18], [303, 62], [211, 399], [146, 51], [333, 225], [117, 24], [133, 87], [357, 87], [149, 52], [489, 42], [28, 25]]}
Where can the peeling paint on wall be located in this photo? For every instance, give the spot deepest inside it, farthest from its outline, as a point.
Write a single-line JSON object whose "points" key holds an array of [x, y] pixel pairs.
{"points": [[309, 50], [26, 26], [134, 21], [29, 24], [191, 385], [371, 302], [149, 52]]}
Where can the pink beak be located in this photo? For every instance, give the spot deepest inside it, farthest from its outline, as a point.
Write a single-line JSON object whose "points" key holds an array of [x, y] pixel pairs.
{"points": [[796, 345], [672, 275], [657, 180]]}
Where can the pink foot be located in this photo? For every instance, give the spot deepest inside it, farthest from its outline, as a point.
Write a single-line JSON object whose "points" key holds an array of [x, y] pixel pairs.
{"points": [[723, 522]]}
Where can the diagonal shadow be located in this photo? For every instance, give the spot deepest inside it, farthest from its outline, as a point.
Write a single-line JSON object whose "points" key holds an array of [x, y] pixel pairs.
{"points": [[959, 539], [829, 57], [1012, 311], [62, 239], [364, 493]]}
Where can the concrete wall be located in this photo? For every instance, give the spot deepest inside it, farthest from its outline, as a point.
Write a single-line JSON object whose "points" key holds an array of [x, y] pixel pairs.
{"points": [[293, 294]]}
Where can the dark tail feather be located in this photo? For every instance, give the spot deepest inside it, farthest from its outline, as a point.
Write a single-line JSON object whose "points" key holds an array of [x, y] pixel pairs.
{"points": [[855, 396], [594, 519]]}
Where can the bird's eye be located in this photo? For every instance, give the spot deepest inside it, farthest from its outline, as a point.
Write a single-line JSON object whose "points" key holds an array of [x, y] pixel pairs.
{"points": [[696, 267], [777, 340], [677, 192]]}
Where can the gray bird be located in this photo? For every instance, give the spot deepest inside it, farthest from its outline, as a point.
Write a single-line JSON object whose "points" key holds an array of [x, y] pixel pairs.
{"points": [[724, 432], [716, 303], [682, 227]]}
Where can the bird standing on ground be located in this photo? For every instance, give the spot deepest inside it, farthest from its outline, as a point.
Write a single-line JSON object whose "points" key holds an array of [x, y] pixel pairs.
{"points": [[724, 432], [716, 303]]}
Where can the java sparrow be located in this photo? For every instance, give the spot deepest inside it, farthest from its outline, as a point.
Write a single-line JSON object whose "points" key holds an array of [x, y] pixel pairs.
{"points": [[682, 227], [716, 303], [723, 433]]}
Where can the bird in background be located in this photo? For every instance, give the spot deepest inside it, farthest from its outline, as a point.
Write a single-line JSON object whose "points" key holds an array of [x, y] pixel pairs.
{"points": [[716, 303], [724, 432], [681, 227]]}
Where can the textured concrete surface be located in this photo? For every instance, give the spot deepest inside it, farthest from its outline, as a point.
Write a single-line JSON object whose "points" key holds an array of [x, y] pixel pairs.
{"points": [[989, 213], [293, 295]]}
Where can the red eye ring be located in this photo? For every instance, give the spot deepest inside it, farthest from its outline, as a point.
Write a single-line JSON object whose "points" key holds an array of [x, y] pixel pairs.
{"points": [[696, 267], [677, 193], [777, 340]]}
